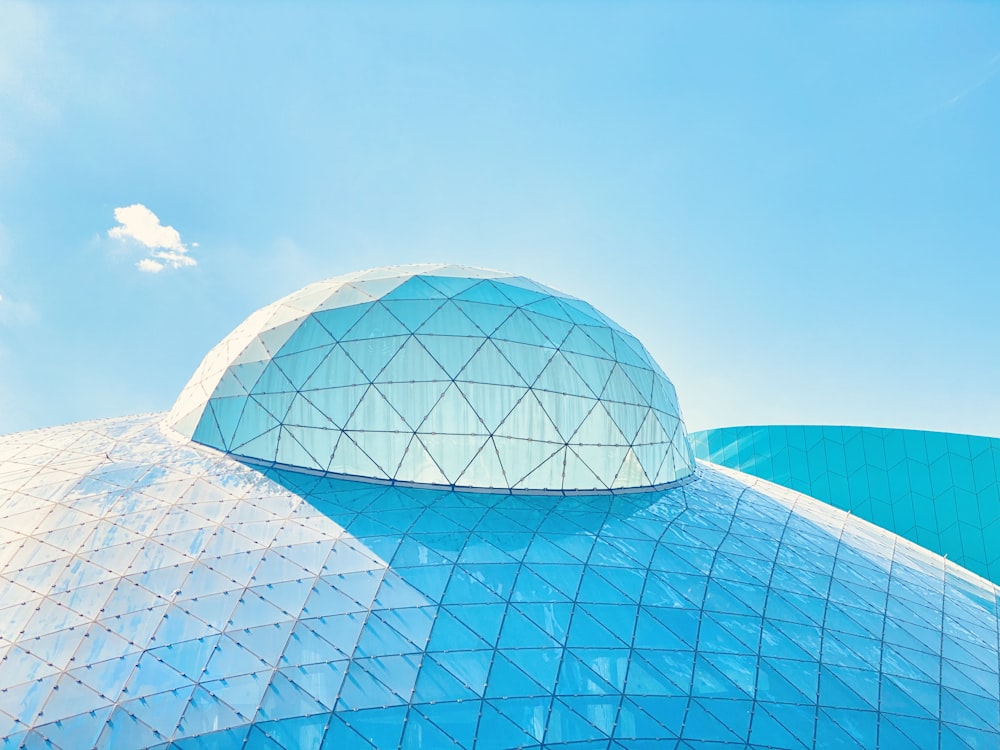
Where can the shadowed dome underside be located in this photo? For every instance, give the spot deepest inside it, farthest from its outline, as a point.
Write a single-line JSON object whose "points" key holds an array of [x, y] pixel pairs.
{"points": [[440, 375]]}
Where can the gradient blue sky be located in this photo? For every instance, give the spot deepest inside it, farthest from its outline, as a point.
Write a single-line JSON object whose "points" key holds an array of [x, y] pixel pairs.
{"points": [[796, 206]]}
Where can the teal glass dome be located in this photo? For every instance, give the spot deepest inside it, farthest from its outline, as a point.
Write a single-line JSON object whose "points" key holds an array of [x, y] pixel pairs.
{"points": [[443, 375]]}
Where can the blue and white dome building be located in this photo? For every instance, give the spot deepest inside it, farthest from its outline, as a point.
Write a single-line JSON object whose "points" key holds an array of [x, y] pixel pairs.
{"points": [[436, 506]]}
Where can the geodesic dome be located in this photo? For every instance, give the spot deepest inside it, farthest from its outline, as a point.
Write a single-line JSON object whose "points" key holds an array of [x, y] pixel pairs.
{"points": [[440, 375]]}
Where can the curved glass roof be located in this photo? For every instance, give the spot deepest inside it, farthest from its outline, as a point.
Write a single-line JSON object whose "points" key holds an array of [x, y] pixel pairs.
{"points": [[442, 375], [938, 489], [159, 594]]}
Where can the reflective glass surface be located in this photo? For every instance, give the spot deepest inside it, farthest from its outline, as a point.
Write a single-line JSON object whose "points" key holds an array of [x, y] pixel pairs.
{"points": [[158, 593], [443, 375], [938, 489]]}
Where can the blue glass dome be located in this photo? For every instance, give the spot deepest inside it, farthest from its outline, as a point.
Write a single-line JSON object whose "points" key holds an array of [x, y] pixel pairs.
{"points": [[440, 375]]}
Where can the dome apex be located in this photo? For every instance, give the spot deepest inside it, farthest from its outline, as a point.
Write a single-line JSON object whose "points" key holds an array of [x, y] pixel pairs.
{"points": [[440, 374]]}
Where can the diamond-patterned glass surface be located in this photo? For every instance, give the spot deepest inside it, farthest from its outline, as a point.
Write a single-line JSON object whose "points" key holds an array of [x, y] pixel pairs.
{"points": [[940, 490], [440, 375], [157, 593]]}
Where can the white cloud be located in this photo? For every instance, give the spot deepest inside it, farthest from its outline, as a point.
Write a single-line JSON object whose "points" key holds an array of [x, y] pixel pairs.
{"points": [[139, 224], [148, 265]]}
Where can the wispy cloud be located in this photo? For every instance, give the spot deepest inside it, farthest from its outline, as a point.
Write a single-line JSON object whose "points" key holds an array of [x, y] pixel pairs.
{"points": [[992, 69], [137, 223], [13, 312]]}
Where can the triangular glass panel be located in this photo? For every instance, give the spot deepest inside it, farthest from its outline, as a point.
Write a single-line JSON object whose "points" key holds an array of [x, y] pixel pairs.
{"points": [[252, 353], [275, 404], [336, 369], [559, 377], [338, 319], [451, 352], [300, 366], [453, 414], [309, 335], [619, 388], [421, 733], [631, 473], [379, 287], [229, 385], [525, 727], [418, 466], [293, 733], [273, 380], [664, 396], [292, 448], [518, 328], [363, 689], [582, 313], [348, 458], [413, 404], [603, 460], [599, 429], [470, 667], [566, 412], [337, 404], [594, 371], [374, 413], [371, 355], [449, 285], [449, 320], [412, 364], [347, 296], [519, 293], [385, 448], [338, 735], [491, 403], [603, 336], [628, 417], [488, 365], [650, 431], [641, 377], [651, 459], [453, 452], [528, 420], [376, 323], [415, 288], [578, 475], [273, 338], [629, 351], [413, 313], [486, 291], [507, 679], [520, 456], [78, 731], [555, 330], [450, 633], [485, 469], [566, 725], [487, 316], [548, 476], [578, 342], [303, 412]]}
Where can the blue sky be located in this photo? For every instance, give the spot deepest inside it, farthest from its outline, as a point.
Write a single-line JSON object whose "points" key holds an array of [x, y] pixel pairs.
{"points": [[794, 205]]}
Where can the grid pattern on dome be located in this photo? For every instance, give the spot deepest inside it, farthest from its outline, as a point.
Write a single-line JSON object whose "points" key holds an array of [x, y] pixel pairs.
{"points": [[441, 375], [161, 595], [940, 490]]}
